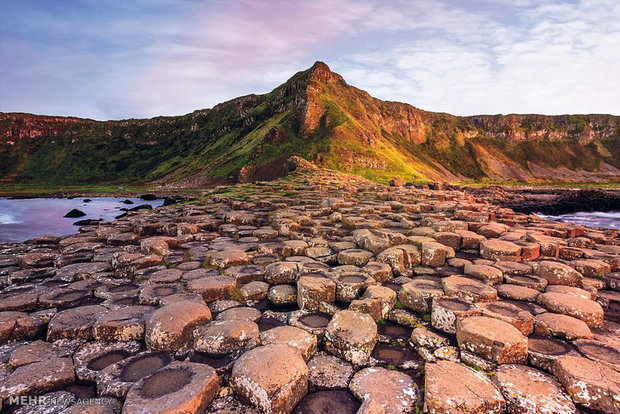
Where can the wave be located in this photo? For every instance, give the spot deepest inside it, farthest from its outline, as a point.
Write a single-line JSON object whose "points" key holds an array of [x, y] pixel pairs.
{"points": [[6, 218]]}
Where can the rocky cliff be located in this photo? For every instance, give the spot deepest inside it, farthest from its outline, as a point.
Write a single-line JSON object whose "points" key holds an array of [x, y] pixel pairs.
{"points": [[319, 117]]}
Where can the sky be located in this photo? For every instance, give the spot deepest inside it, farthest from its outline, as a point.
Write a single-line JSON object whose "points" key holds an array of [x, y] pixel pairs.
{"points": [[106, 59]]}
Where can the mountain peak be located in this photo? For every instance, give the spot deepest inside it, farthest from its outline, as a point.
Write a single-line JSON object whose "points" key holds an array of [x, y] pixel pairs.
{"points": [[321, 72]]}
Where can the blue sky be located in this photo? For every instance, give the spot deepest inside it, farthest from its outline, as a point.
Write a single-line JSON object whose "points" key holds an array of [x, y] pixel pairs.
{"points": [[107, 59]]}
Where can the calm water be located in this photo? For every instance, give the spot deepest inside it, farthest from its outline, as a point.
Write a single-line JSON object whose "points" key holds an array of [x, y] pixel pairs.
{"points": [[593, 219], [23, 219]]}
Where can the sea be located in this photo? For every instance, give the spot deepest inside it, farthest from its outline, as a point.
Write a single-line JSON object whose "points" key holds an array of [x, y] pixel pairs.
{"points": [[22, 219]]}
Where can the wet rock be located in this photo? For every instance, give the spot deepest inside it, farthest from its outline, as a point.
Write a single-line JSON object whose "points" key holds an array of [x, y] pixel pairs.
{"points": [[178, 387], [451, 387], [259, 377], [591, 384], [116, 379], [392, 392], [492, 339], [313, 322], [74, 213], [600, 351], [225, 337], [153, 294], [587, 310], [302, 341], [170, 327], [527, 390], [326, 372], [93, 357], [351, 336]]}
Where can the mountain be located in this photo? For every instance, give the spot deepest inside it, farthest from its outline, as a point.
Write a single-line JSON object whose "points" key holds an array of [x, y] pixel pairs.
{"points": [[321, 118]]}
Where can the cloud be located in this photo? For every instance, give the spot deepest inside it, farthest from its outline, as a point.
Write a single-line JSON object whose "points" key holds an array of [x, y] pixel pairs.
{"points": [[110, 59]]}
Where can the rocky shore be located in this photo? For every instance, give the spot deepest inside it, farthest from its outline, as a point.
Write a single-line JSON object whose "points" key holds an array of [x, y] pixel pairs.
{"points": [[552, 201], [316, 293]]}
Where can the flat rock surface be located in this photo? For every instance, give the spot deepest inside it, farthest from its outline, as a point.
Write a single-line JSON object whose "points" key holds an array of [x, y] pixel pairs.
{"points": [[451, 387]]}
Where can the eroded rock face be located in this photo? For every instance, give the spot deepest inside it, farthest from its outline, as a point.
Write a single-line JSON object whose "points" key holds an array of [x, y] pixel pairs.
{"points": [[274, 378], [450, 387]]}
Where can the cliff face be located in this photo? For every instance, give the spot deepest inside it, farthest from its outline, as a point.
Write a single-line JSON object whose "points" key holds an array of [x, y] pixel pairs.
{"points": [[315, 115]]}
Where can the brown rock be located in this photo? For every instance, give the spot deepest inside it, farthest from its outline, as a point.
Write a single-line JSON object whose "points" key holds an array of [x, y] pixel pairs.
{"points": [[492, 339], [260, 377], [529, 391], [392, 392], [180, 387], [454, 388], [590, 383], [351, 336], [587, 310], [561, 326], [170, 327]]}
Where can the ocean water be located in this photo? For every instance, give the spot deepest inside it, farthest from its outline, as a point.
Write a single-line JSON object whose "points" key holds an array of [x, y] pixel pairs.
{"points": [[592, 219], [28, 218]]}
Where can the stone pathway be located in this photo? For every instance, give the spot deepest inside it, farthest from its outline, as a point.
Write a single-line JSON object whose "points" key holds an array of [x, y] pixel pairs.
{"points": [[319, 292]]}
